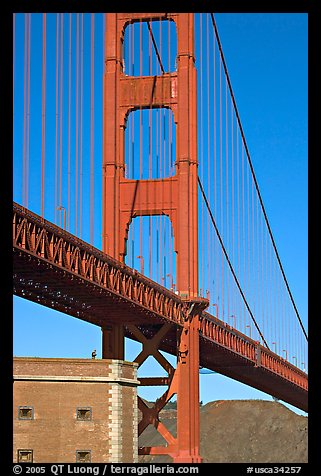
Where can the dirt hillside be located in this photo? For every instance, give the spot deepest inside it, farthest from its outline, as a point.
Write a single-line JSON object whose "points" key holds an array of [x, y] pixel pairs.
{"points": [[241, 431]]}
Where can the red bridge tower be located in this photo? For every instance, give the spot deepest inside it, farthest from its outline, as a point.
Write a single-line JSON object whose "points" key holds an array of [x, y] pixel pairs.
{"points": [[176, 197]]}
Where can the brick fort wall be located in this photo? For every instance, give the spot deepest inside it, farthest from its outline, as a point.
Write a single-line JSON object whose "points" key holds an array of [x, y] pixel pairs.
{"points": [[74, 410]]}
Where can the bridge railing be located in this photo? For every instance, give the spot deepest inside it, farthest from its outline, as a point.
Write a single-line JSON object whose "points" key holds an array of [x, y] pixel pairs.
{"points": [[62, 186], [240, 269], [47, 241], [230, 338], [42, 238]]}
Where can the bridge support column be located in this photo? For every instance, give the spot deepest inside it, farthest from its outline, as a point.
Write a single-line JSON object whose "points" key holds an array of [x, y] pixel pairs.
{"points": [[188, 419], [182, 381], [125, 199], [113, 342]]}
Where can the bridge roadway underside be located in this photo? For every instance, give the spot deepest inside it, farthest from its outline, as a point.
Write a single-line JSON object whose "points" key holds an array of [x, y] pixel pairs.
{"points": [[45, 283]]}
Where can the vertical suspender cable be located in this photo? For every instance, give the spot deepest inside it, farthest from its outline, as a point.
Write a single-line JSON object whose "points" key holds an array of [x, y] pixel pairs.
{"points": [[281, 315], [170, 164], [13, 78], [150, 161], [13, 61], [61, 104], [228, 261], [24, 110], [227, 221], [259, 292], [28, 110], [278, 312], [256, 246], [255, 181], [26, 122], [201, 160], [165, 222], [269, 281], [252, 248], [81, 124], [92, 125], [103, 93], [69, 121], [243, 224], [161, 164], [158, 167], [232, 206], [215, 175], [43, 113], [265, 280], [162, 114], [263, 287], [161, 232], [270, 285], [25, 69], [77, 123], [238, 201], [248, 241], [158, 266], [141, 148], [57, 115], [151, 222], [237, 196], [275, 296], [221, 186], [209, 187], [132, 138]]}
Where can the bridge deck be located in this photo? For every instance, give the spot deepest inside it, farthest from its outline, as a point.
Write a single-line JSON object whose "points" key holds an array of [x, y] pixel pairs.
{"points": [[60, 271]]}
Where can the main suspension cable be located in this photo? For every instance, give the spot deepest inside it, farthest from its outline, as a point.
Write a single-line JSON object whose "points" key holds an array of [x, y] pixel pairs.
{"points": [[229, 262], [254, 177]]}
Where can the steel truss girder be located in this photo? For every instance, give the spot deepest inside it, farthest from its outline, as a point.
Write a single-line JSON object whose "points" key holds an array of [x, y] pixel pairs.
{"points": [[65, 259]]}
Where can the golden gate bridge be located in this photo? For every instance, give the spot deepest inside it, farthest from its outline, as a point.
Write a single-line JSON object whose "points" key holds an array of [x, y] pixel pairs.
{"points": [[179, 201]]}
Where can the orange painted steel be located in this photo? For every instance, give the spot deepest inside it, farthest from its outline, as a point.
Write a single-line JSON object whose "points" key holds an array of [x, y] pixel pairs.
{"points": [[176, 197], [42, 239], [58, 270], [59, 255]]}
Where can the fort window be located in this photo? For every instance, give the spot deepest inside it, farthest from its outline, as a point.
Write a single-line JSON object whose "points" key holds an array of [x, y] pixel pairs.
{"points": [[25, 413], [25, 456], [84, 413], [83, 456]]}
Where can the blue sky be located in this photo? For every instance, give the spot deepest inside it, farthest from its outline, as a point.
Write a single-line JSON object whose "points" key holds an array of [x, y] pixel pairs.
{"points": [[266, 56]]}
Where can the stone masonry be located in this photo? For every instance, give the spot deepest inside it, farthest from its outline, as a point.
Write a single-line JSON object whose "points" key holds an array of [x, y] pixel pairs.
{"points": [[74, 410]]}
